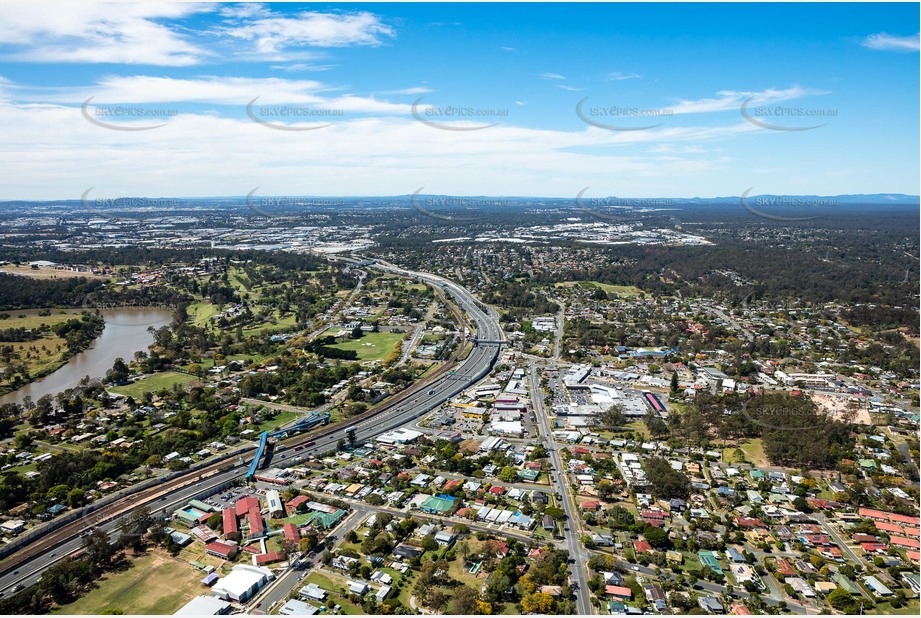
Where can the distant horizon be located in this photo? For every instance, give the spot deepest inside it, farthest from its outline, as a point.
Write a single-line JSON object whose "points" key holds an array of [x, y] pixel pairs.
{"points": [[880, 195]]}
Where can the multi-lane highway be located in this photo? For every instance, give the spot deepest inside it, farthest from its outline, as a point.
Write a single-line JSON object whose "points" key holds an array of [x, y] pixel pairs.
{"points": [[25, 567], [29, 572]]}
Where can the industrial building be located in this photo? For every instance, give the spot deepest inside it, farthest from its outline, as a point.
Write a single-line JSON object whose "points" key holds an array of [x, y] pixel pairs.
{"points": [[242, 583], [399, 436]]}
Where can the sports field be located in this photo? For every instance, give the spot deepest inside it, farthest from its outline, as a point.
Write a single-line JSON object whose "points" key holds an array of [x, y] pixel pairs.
{"points": [[152, 584], [372, 346]]}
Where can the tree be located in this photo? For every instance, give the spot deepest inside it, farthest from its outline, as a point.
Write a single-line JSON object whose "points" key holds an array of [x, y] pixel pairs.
{"points": [[842, 600], [508, 474], [216, 521], [98, 549], [657, 427], [613, 418], [463, 601], [537, 603], [119, 372], [657, 537], [674, 384], [76, 497], [620, 518], [134, 526], [429, 543], [667, 482]]}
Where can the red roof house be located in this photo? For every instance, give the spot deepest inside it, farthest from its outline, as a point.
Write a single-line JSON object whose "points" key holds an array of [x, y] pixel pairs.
{"points": [[618, 591], [272, 556], [230, 521], [292, 533], [642, 547]]}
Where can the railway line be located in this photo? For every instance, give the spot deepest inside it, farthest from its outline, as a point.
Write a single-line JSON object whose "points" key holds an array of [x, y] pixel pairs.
{"points": [[397, 410]]}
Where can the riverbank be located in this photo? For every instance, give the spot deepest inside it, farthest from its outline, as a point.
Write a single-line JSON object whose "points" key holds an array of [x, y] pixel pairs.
{"points": [[37, 342], [125, 332]]}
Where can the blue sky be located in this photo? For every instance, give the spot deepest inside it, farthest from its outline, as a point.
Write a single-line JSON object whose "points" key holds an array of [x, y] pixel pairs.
{"points": [[677, 100]]}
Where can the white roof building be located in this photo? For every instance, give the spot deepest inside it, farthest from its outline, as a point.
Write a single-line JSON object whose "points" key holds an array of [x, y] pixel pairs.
{"points": [[295, 607], [204, 606], [509, 428], [273, 500], [399, 436], [242, 582], [312, 591]]}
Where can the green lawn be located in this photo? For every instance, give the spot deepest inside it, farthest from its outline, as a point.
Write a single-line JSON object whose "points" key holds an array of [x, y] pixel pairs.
{"points": [[372, 346], [622, 291], [754, 451], [153, 383], [691, 564], [910, 608], [282, 417], [152, 584], [730, 456], [333, 595], [201, 312], [457, 571], [30, 318], [286, 323], [45, 354], [639, 427]]}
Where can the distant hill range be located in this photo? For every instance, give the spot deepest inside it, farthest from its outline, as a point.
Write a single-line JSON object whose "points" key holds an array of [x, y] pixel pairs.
{"points": [[183, 203]]}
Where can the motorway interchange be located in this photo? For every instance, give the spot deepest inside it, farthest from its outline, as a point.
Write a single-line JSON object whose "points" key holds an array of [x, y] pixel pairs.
{"points": [[24, 568]]}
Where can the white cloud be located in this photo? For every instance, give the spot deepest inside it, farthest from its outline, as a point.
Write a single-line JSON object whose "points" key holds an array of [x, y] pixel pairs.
{"points": [[618, 76], [207, 154], [236, 91], [416, 90], [301, 67], [276, 34], [727, 100], [94, 33], [552, 76], [508, 49], [244, 10], [569, 88], [675, 149], [888, 42], [521, 103]]}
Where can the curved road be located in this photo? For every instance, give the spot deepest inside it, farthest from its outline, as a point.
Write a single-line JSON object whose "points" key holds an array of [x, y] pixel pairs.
{"points": [[417, 401]]}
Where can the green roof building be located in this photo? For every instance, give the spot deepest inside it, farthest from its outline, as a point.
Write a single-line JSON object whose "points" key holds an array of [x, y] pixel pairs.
{"points": [[437, 504], [708, 559], [844, 583], [325, 520], [529, 475]]}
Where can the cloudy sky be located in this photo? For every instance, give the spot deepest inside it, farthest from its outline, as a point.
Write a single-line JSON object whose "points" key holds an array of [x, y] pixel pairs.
{"points": [[341, 99]]}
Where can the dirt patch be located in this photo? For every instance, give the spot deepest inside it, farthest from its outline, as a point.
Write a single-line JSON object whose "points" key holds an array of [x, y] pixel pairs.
{"points": [[470, 446], [48, 272], [839, 407]]}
